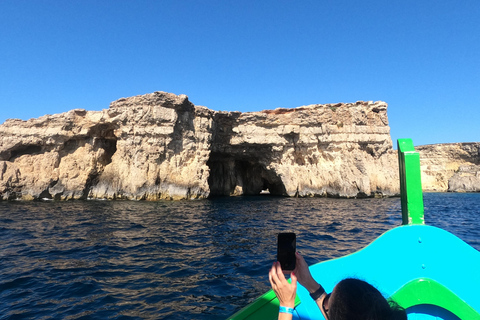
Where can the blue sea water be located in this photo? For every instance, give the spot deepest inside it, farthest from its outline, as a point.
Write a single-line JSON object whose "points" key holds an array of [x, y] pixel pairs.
{"points": [[182, 260]]}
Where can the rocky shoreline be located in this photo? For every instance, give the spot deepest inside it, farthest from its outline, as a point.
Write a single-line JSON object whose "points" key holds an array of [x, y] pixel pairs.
{"points": [[161, 146], [450, 167]]}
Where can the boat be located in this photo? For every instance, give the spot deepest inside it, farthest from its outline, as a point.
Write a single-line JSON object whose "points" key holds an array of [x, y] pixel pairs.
{"points": [[431, 273]]}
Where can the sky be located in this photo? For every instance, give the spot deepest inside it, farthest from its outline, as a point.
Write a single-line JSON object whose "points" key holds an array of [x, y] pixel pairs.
{"points": [[421, 57]]}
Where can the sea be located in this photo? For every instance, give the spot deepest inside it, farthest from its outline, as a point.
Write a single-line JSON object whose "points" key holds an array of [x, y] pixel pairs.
{"points": [[202, 259]]}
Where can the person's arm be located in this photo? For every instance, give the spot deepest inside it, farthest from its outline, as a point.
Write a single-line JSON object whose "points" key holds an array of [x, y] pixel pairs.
{"points": [[305, 279], [284, 290]]}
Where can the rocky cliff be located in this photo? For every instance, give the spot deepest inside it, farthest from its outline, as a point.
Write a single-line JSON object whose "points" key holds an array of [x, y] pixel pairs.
{"points": [[453, 167], [161, 146]]}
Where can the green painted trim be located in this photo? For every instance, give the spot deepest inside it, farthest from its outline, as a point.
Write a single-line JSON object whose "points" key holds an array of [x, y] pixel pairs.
{"points": [[428, 291], [264, 308], [410, 183]]}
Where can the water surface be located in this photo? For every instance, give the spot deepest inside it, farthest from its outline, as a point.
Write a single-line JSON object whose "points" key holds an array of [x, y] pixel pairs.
{"points": [[182, 260]]}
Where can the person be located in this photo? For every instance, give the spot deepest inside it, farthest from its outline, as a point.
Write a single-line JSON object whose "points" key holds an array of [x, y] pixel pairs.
{"points": [[351, 299]]}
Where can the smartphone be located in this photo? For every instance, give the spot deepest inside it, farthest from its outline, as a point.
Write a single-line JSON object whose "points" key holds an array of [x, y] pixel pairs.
{"points": [[286, 248]]}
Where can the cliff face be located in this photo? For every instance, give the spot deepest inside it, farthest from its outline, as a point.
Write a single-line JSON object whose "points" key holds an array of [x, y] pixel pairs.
{"points": [[146, 147], [161, 146], [451, 167], [339, 150]]}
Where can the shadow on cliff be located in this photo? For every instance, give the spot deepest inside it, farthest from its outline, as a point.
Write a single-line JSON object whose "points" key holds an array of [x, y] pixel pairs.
{"points": [[239, 169], [102, 143], [184, 128], [231, 176]]}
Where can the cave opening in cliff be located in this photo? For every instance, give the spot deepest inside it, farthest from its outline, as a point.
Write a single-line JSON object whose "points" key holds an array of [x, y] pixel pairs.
{"points": [[103, 137], [231, 176], [23, 150]]}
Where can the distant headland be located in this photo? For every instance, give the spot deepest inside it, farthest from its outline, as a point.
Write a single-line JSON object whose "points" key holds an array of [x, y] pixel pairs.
{"points": [[161, 146]]}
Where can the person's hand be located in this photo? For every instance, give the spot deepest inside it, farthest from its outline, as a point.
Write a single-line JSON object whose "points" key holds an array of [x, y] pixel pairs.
{"points": [[284, 290], [303, 274]]}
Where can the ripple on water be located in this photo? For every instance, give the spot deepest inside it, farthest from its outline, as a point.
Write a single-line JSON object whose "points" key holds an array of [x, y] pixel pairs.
{"points": [[181, 260]]}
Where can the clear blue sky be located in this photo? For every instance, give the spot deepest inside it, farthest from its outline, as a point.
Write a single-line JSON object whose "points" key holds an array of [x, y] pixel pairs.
{"points": [[421, 57]]}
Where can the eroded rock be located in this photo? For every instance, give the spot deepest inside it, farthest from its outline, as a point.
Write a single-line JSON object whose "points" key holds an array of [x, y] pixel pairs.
{"points": [[451, 167], [161, 146]]}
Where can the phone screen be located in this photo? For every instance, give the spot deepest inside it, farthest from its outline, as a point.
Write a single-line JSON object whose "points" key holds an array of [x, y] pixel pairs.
{"points": [[286, 250]]}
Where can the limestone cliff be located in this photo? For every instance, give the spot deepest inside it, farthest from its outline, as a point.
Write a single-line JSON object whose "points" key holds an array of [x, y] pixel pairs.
{"points": [[453, 167], [161, 146], [339, 150]]}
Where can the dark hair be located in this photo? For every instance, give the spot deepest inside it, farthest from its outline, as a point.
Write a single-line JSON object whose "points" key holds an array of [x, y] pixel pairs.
{"points": [[356, 299]]}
